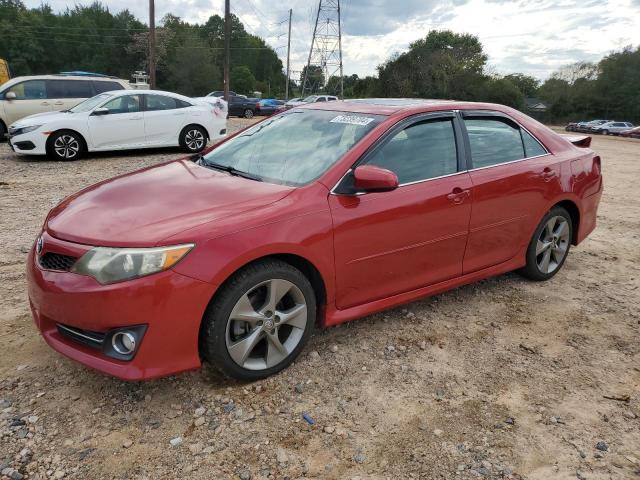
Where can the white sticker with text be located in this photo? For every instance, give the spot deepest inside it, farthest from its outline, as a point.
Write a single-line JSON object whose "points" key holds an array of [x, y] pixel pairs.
{"points": [[352, 120]]}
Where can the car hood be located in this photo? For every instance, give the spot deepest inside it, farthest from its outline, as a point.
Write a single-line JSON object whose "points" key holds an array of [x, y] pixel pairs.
{"points": [[147, 206], [41, 118]]}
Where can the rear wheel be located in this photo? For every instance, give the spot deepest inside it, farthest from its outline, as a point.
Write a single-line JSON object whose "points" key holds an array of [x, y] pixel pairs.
{"points": [[65, 145], [549, 246], [248, 113], [3, 131], [260, 321], [193, 139], [605, 132]]}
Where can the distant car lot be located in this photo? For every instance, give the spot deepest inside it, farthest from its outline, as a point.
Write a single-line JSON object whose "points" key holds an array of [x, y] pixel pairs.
{"points": [[604, 127]]}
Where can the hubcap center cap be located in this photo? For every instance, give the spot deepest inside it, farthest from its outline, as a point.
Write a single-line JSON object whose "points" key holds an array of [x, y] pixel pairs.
{"points": [[268, 324]]}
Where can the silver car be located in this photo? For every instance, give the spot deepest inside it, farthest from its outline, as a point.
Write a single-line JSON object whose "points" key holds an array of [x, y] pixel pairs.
{"points": [[613, 128]]}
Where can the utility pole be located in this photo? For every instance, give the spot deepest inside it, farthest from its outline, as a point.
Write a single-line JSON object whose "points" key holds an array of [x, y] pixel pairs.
{"points": [[152, 44], [286, 94], [227, 46], [326, 46]]}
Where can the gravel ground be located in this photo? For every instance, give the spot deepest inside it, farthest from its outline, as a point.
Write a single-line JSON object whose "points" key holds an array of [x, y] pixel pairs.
{"points": [[502, 379]]}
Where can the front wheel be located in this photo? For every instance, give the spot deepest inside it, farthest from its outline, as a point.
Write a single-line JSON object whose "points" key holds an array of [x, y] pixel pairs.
{"points": [[260, 321], [65, 145], [605, 132], [193, 139], [549, 246], [248, 113]]}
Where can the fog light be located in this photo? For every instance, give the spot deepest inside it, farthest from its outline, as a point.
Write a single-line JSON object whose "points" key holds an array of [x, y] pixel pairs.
{"points": [[123, 342]]}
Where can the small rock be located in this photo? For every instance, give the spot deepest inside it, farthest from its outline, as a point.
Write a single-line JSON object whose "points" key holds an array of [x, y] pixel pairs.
{"points": [[423, 345], [199, 412], [329, 429], [437, 432], [198, 422], [314, 355], [510, 421], [245, 475], [59, 474], [33, 419], [196, 448], [580, 475], [359, 457], [175, 442], [333, 348], [127, 443], [602, 446], [630, 415], [299, 388], [281, 456]]}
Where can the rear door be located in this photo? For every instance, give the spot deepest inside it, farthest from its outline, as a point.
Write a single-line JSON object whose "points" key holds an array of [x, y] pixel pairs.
{"points": [[31, 98], [513, 178], [66, 93], [392, 242], [122, 127], [164, 118]]}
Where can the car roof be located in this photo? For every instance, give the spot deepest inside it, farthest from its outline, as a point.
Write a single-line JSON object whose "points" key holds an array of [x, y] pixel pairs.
{"points": [[390, 106], [154, 92], [65, 77]]}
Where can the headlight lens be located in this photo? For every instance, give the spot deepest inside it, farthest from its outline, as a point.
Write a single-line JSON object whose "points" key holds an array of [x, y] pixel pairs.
{"points": [[110, 265], [13, 131]]}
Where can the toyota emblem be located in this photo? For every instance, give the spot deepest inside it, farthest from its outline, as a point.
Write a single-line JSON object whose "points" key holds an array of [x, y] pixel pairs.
{"points": [[39, 245]]}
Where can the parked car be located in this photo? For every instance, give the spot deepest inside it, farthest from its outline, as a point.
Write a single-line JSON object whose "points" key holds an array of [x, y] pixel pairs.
{"points": [[316, 216], [311, 99], [24, 96], [585, 127], [119, 120], [269, 106], [220, 93], [613, 128], [573, 126], [241, 106], [631, 133]]}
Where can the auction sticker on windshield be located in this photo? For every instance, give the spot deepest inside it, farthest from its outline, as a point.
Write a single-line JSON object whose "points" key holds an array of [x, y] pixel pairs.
{"points": [[352, 120]]}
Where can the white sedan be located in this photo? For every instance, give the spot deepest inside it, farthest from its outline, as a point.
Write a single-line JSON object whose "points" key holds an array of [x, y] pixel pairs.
{"points": [[120, 120]]}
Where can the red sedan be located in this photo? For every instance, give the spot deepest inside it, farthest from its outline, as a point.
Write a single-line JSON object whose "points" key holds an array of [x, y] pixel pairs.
{"points": [[313, 217]]}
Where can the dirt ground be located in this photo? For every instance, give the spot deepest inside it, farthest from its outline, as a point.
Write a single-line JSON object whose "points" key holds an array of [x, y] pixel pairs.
{"points": [[502, 379]]}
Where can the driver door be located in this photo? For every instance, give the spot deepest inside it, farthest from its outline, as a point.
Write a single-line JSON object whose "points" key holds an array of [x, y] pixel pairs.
{"points": [[392, 242], [122, 127]]}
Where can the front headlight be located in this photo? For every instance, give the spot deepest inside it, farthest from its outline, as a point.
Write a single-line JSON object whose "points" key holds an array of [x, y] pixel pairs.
{"points": [[14, 131], [110, 265]]}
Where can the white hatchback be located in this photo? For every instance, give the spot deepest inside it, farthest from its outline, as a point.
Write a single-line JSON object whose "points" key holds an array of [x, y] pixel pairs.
{"points": [[119, 120]]}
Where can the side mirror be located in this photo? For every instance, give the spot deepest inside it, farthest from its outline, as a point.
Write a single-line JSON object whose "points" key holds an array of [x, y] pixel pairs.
{"points": [[101, 111], [10, 95], [369, 178]]}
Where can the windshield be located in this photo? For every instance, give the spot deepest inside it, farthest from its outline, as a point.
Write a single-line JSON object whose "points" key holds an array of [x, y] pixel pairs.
{"points": [[90, 103], [296, 147], [310, 99]]}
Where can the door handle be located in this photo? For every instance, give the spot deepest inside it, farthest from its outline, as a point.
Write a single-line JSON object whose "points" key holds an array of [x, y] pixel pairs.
{"points": [[59, 103], [135, 118], [458, 195], [45, 104], [547, 174]]}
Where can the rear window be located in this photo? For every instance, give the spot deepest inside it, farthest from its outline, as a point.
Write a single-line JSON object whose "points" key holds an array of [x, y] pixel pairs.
{"points": [[493, 141], [101, 86], [69, 89]]}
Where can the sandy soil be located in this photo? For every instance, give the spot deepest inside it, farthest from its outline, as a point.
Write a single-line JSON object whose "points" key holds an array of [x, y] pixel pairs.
{"points": [[502, 379]]}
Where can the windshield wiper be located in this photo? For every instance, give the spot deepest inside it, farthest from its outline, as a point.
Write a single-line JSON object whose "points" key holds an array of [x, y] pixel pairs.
{"points": [[226, 168]]}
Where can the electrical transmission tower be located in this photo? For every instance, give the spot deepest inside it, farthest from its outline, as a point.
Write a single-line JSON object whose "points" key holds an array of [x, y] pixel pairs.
{"points": [[326, 47]]}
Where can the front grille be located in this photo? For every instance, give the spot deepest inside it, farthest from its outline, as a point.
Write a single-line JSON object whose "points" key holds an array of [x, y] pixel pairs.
{"points": [[57, 261], [91, 339]]}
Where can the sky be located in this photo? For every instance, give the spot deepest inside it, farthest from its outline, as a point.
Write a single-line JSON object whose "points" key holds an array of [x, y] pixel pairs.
{"points": [[535, 37]]}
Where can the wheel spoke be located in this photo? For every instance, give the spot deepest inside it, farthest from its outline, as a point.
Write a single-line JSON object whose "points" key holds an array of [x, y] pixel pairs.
{"points": [[296, 316], [562, 230], [551, 224], [276, 351], [542, 246], [546, 259], [241, 350], [276, 289], [244, 311]]}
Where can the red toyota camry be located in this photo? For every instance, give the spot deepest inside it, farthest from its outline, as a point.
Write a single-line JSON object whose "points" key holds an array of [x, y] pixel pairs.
{"points": [[313, 217]]}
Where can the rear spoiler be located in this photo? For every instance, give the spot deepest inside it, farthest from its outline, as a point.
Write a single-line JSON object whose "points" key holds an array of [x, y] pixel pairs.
{"points": [[583, 141]]}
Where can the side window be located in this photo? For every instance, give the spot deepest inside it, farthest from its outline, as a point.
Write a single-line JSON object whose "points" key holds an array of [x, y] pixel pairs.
{"points": [[493, 141], [69, 89], [160, 102], [321, 99], [532, 147], [123, 104], [419, 152], [101, 86], [29, 90], [182, 104]]}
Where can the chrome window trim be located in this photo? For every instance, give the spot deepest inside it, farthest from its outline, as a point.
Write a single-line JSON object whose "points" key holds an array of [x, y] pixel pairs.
{"points": [[508, 163]]}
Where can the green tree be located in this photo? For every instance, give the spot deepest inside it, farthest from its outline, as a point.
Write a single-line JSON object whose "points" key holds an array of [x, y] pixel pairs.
{"points": [[503, 91], [315, 79], [527, 84], [242, 80]]}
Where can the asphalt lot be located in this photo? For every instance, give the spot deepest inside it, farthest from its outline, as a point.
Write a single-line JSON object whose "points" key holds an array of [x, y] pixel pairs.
{"points": [[502, 379]]}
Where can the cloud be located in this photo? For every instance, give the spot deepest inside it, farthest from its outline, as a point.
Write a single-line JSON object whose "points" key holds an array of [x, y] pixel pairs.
{"points": [[528, 36]]}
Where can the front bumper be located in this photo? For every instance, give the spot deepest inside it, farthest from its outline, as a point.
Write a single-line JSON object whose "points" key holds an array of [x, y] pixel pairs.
{"points": [[169, 304], [32, 143]]}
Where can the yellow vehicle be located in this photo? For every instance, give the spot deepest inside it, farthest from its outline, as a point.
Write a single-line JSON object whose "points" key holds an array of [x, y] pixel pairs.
{"points": [[5, 73]]}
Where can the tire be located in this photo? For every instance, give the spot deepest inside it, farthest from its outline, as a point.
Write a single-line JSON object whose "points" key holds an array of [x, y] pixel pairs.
{"points": [[248, 113], [549, 246], [65, 145], [605, 132], [193, 139], [244, 335], [3, 132]]}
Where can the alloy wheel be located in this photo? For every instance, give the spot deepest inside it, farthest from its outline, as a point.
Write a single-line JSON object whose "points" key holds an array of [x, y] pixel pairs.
{"points": [[66, 146], [194, 140], [248, 113], [553, 244], [266, 324]]}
